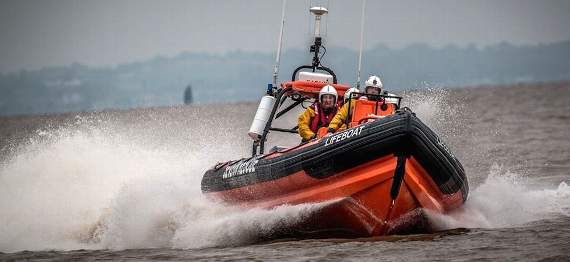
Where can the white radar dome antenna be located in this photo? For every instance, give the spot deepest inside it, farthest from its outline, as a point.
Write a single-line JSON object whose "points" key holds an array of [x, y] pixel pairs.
{"points": [[318, 11]]}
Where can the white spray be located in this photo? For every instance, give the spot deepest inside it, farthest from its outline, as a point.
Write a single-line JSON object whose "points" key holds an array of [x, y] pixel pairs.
{"points": [[103, 185]]}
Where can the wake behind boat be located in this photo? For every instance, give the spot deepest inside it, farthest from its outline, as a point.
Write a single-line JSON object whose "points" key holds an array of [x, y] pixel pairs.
{"points": [[377, 174]]}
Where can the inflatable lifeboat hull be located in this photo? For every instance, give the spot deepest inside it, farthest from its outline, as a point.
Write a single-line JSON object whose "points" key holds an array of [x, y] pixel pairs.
{"points": [[374, 179]]}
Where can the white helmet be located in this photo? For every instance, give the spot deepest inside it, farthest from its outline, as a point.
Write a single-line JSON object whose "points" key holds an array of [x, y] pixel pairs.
{"points": [[350, 91], [328, 90], [373, 81]]}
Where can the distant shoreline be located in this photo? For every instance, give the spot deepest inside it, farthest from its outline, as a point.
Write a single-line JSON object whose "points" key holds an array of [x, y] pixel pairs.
{"points": [[71, 114]]}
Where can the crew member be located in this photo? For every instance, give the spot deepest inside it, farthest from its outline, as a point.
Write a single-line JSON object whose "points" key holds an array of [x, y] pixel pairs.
{"points": [[318, 114], [373, 86], [348, 93]]}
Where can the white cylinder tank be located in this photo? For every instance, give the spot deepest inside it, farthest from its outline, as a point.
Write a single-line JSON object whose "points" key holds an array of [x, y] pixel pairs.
{"points": [[261, 117]]}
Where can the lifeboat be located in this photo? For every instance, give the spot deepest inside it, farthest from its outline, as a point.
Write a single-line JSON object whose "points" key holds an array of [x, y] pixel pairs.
{"points": [[377, 176]]}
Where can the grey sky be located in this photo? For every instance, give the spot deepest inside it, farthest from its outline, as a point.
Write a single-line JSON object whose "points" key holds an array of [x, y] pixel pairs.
{"points": [[107, 32]]}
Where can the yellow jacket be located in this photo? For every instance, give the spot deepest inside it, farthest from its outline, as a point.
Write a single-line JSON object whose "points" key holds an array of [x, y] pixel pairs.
{"points": [[304, 123], [340, 118]]}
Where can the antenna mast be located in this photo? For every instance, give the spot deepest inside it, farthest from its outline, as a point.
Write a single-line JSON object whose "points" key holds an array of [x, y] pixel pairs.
{"points": [[318, 11], [278, 55], [361, 42]]}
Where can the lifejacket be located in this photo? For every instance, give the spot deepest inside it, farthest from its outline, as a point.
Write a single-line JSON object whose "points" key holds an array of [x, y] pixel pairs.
{"points": [[321, 119]]}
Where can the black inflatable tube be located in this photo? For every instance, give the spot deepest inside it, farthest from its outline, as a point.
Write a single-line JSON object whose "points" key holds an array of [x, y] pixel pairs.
{"points": [[397, 133]]}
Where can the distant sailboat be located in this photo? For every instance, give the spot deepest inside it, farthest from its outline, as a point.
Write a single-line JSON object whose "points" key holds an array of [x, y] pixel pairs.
{"points": [[188, 95]]}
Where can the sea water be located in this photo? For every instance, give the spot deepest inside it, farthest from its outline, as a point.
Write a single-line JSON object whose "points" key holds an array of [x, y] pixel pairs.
{"points": [[126, 184]]}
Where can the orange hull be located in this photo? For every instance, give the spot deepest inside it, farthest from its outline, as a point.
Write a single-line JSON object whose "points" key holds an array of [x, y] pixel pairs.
{"points": [[361, 203]]}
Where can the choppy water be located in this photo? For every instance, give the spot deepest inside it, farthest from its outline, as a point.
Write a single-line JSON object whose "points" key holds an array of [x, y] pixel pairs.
{"points": [[126, 185]]}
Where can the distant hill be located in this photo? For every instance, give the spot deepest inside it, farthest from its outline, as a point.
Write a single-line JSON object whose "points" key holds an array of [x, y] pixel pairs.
{"points": [[243, 76]]}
